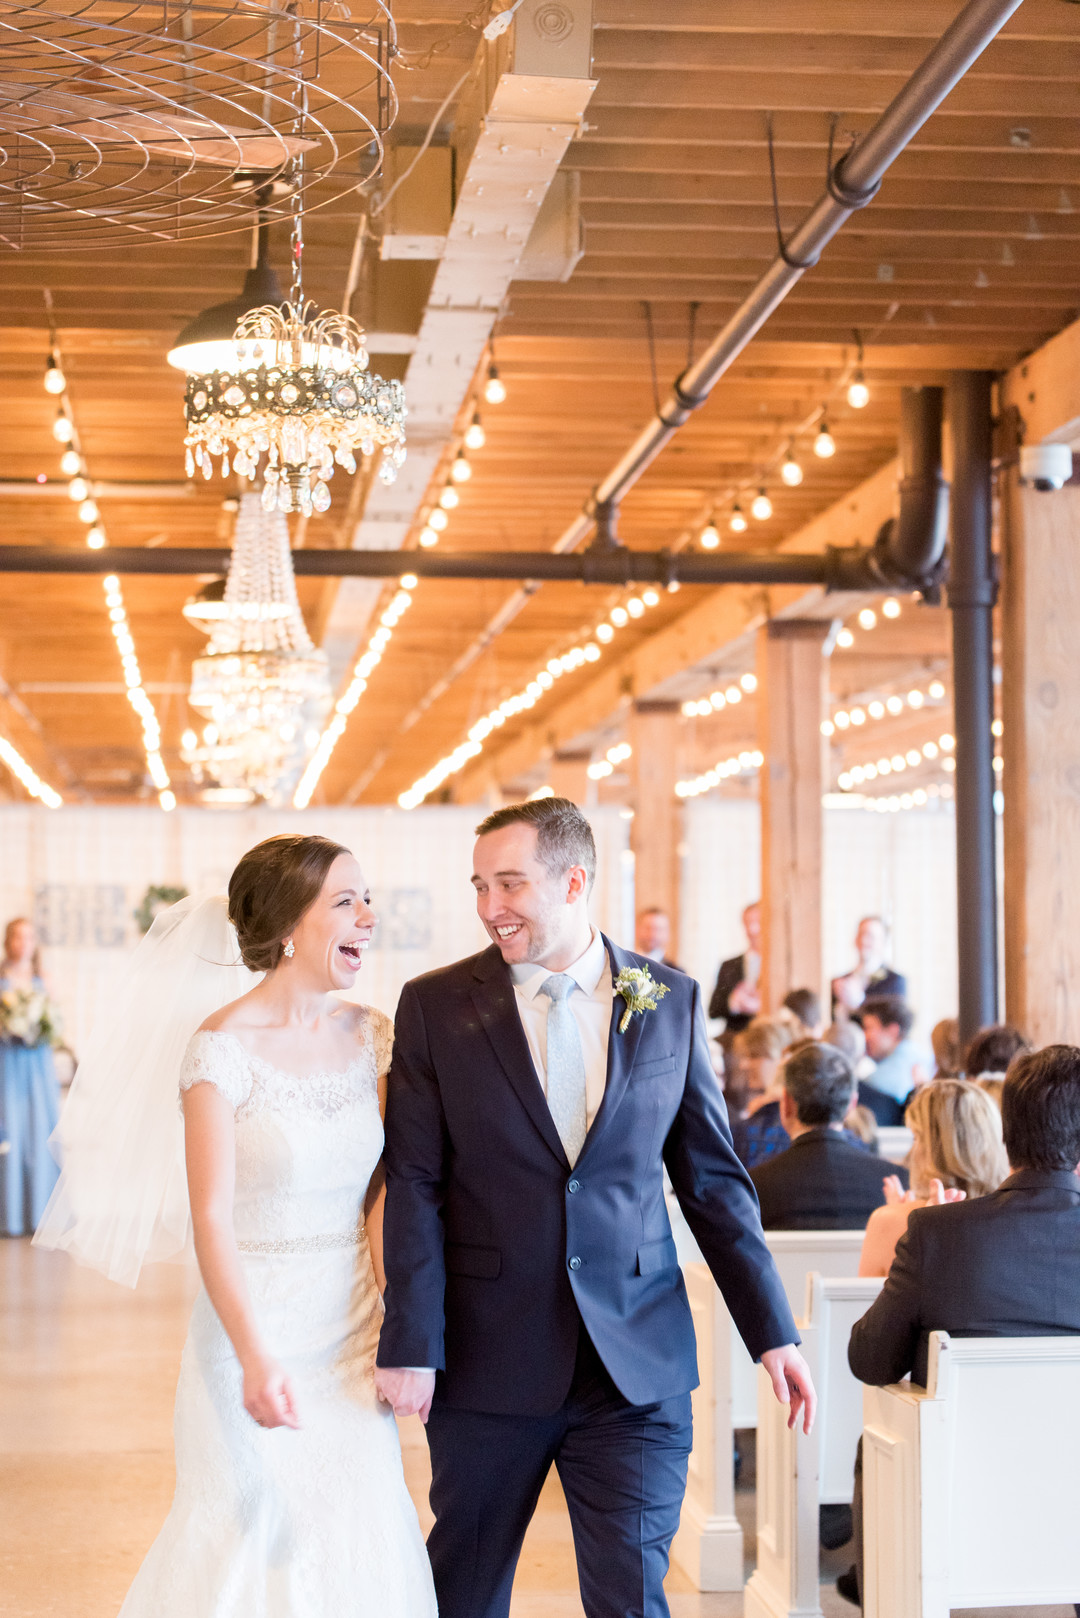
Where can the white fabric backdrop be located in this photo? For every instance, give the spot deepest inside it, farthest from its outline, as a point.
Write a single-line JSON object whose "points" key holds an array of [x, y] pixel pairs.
{"points": [[82, 872]]}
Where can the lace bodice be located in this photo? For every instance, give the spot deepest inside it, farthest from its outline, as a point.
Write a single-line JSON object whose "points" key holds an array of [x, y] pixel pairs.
{"points": [[306, 1147]]}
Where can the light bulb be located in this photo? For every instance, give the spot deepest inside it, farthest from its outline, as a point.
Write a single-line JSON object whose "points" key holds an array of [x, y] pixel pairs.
{"points": [[475, 436], [762, 506], [78, 489], [460, 470], [890, 607], [791, 471], [845, 639], [867, 618], [88, 512], [738, 523], [95, 538], [824, 443], [55, 381], [449, 498], [438, 520], [71, 463], [494, 388], [858, 394], [710, 536], [428, 537], [63, 430]]}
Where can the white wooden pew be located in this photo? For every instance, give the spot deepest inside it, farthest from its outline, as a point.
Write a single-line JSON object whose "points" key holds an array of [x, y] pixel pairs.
{"points": [[970, 1490], [797, 1474], [709, 1544]]}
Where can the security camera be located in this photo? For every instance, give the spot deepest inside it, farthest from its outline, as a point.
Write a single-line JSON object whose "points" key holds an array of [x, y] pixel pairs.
{"points": [[1046, 466]]}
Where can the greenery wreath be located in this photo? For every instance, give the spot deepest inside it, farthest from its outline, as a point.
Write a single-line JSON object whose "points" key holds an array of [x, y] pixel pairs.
{"points": [[154, 900]]}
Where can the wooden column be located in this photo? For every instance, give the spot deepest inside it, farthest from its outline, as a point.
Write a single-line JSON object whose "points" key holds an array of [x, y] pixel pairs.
{"points": [[792, 701], [1041, 748], [656, 829], [567, 775]]}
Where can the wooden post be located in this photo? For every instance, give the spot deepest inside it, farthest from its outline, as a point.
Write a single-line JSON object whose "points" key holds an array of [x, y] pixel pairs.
{"points": [[792, 701], [656, 829], [567, 774], [1041, 749]]}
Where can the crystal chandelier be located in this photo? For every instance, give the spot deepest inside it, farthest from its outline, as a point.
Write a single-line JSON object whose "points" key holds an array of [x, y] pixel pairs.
{"points": [[261, 684], [288, 382]]}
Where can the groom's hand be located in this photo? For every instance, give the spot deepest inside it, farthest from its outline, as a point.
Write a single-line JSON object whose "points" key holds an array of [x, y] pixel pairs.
{"points": [[792, 1383], [409, 1393]]}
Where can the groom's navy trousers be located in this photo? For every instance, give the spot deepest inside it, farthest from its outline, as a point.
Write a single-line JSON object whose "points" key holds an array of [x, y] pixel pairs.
{"points": [[549, 1299]]}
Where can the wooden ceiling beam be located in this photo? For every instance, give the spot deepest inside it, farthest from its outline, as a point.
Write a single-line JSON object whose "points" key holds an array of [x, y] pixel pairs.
{"points": [[992, 133], [960, 196], [796, 55], [720, 91], [922, 19], [749, 163]]}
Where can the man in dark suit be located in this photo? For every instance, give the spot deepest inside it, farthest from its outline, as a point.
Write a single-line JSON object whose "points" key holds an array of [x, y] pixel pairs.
{"points": [[736, 996], [1005, 1265], [652, 936], [535, 1310], [870, 975], [823, 1181]]}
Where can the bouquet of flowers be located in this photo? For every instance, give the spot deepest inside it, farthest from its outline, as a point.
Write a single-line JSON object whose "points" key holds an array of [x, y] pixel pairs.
{"points": [[29, 1017]]}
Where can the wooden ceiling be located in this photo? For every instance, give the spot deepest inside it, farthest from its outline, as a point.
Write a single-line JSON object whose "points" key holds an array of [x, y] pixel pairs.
{"points": [[966, 258]]}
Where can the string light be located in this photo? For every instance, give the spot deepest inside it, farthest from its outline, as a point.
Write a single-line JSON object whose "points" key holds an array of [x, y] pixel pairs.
{"points": [[791, 471], [136, 691], [738, 523], [70, 463], [449, 499], [845, 639], [890, 607], [55, 381], [63, 429], [29, 778], [475, 436], [494, 387], [824, 443], [710, 536], [95, 538], [608, 764], [739, 764], [858, 394], [428, 537], [893, 706], [438, 520], [867, 618], [365, 666], [460, 468], [761, 507]]}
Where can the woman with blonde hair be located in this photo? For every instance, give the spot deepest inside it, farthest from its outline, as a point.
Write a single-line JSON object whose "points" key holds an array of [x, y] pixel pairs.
{"points": [[957, 1152]]}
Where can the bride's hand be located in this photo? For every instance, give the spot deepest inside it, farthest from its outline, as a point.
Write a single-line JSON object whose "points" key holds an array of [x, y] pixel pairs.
{"points": [[895, 1194], [268, 1395]]}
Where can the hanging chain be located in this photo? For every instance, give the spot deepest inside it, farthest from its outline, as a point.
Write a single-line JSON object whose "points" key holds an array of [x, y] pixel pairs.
{"points": [[296, 168]]}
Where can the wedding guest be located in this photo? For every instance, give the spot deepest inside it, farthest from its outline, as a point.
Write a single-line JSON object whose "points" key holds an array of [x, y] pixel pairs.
{"points": [[870, 975], [754, 1090], [992, 1049], [900, 1065], [802, 1008], [823, 1180], [1006, 1264], [737, 996], [29, 1095], [945, 1042], [956, 1153], [652, 936]]}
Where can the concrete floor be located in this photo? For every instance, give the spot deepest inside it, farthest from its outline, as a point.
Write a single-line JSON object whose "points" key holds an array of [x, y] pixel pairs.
{"points": [[87, 1375]]}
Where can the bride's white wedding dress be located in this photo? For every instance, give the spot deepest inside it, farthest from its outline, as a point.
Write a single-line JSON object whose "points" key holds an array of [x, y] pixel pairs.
{"points": [[315, 1523]]}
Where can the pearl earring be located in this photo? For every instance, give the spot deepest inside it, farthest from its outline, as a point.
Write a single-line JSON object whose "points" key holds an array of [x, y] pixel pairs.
{"points": [[289, 950]]}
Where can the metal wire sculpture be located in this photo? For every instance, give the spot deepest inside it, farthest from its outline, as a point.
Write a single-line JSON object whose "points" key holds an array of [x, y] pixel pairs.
{"points": [[175, 119]]}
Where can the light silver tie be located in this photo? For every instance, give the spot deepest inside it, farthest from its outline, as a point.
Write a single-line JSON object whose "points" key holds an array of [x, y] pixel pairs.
{"points": [[565, 1066]]}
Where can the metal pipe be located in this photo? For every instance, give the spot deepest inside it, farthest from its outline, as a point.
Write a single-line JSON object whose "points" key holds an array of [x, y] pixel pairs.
{"points": [[971, 595], [851, 184]]}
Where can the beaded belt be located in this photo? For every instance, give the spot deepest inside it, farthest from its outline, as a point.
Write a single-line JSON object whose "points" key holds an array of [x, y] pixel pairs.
{"points": [[303, 1244]]}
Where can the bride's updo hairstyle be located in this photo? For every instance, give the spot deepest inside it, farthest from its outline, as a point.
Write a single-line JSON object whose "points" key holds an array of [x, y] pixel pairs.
{"points": [[273, 885]]}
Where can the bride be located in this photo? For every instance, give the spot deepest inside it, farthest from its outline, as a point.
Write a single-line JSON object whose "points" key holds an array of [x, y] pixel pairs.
{"points": [[290, 1500]]}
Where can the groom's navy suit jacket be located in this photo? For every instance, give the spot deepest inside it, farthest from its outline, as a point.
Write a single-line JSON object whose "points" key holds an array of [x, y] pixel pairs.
{"points": [[496, 1250]]}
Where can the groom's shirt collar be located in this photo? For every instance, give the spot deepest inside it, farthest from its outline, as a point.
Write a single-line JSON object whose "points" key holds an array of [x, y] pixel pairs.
{"points": [[587, 971]]}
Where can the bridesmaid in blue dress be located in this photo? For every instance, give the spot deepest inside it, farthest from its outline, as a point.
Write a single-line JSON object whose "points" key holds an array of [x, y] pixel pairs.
{"points": [[29, 1097]]}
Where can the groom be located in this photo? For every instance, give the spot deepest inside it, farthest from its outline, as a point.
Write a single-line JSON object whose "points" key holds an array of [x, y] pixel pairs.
{"points": [[535, 1310]]}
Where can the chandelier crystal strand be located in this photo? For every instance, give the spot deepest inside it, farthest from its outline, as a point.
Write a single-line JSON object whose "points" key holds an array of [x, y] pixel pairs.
{"points": [[261, 685]]}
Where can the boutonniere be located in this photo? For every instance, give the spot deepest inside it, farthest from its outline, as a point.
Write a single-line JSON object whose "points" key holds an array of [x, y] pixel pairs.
{"points": [[640, 990]]}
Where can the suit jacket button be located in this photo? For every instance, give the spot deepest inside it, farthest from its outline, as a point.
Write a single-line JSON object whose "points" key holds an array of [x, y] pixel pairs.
{"points": [[575, 1263], [574, 1185]]}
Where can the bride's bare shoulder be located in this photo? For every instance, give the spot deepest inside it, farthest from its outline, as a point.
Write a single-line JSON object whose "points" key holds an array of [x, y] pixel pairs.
{"points": [[229, 1018]]}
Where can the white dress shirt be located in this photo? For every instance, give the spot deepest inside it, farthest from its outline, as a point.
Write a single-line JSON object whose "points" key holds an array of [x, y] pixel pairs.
{"points": [[590, 1003]]}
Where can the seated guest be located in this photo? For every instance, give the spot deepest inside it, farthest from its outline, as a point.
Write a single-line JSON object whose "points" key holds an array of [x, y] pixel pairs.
{"points": [[945, 1043], [992, 1049], [823, 1181], [801, 1009], [956, 1153], [753, 1094], [899, 1064], [737, 997], [870, 975], [1004, 1265], [652, 936]]}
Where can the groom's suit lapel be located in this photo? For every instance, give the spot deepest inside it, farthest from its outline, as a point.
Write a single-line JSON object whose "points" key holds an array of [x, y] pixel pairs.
{"points": [[622, 1048], [496, 1004]]}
